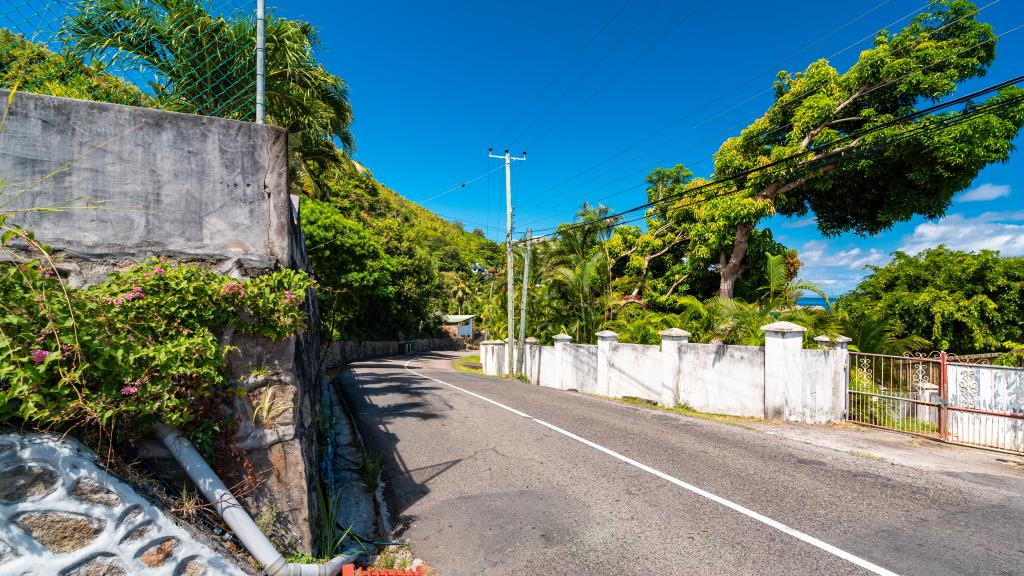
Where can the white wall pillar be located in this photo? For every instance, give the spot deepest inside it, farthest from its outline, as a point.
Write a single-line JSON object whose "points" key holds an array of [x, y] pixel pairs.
{"points": [[840, 355], [531, 365], [485, 352], [605, 339], [783, 376], [562, 356], [491, 355], [673, 341]]}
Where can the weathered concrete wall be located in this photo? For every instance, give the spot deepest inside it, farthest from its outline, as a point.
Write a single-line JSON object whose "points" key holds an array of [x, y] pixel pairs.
{"points": [[634, 370], [808, 385], [341, 353], [198, 190], [579, 368], [722, 379], [156, 183]]}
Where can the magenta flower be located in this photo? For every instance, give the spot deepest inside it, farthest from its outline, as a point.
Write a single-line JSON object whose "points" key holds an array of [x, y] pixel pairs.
{"points": [[158, 270], [129, 390], [40, 356]]}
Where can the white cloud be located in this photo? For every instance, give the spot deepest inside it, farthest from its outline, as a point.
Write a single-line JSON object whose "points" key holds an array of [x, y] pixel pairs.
{"points": [[802, 223], [988, 231], [985, 192], [840, 271]]}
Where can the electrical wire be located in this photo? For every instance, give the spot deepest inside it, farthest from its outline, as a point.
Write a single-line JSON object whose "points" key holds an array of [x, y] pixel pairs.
{"points": [[740, 104], [622, 71], [788, 125], [847, 138], [459, 187], [589, 70], [564, 70]]}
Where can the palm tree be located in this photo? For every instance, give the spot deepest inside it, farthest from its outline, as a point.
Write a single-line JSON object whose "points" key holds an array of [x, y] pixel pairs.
{"points": [[580, 282], [205, 65]]}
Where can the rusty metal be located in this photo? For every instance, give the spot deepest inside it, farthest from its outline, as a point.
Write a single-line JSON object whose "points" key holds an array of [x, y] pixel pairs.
{"points": [[937, 396]]}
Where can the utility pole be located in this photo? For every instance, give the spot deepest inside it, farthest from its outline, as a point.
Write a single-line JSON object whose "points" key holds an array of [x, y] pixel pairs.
{"points": [[261, 50], [521, 361], [510, 341]]}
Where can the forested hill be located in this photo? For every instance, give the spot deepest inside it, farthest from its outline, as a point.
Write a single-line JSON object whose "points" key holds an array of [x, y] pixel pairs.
{"points": [[388, 267]]}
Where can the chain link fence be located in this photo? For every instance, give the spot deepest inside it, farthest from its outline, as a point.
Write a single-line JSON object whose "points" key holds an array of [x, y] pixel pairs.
{"points": [[189, 56]]}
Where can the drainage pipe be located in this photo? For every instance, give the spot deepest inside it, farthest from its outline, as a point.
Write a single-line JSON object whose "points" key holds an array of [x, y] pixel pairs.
{"points": [[234, 514]]}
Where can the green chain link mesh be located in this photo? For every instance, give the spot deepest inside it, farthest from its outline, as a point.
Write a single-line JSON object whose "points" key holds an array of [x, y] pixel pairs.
{"points": [[182, 55]]}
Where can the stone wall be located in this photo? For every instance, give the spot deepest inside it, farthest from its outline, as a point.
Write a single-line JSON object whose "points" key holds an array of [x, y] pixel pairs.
{"points": [[340, 353], [198, 190]]}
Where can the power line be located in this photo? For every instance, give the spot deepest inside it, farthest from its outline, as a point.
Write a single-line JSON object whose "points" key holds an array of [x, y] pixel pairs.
{"points": [[783, 127], [460, 186], [749, 99], [622, 71], [564, 70], [589, 70], [943, 124], [847, 138]]}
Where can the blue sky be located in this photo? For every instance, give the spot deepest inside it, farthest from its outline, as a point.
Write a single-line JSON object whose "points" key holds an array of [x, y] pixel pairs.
{"points": [[434, 84]]}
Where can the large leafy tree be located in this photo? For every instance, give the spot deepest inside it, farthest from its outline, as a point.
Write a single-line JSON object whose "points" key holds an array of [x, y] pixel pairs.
{"points": [[853, 180], [206, 65], [957, 301]]}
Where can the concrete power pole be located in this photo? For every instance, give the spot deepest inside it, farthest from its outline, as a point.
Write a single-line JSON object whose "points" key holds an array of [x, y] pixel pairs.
{"points": [[520, 362], [510, 341]]}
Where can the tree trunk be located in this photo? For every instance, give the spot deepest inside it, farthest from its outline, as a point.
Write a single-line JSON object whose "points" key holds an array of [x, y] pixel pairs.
{"points": [[731, 266]]}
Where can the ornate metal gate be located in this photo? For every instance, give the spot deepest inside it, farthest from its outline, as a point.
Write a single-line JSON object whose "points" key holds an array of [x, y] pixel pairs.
{"points": [[939, 397]]}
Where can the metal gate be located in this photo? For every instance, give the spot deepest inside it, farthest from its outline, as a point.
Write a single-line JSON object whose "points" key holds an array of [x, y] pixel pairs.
{"points": [[939, 397]]}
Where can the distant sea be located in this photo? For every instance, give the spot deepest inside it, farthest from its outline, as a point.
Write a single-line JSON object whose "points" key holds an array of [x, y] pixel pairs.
{"points": [[813, 301]]}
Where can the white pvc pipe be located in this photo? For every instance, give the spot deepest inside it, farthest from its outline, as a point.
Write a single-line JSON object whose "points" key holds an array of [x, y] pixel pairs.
{"points": [[234, 514]]}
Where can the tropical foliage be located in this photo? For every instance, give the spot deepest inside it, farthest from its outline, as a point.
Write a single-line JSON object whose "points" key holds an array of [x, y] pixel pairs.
{"points": [[142, 345], [832, 137], [958, 301]]}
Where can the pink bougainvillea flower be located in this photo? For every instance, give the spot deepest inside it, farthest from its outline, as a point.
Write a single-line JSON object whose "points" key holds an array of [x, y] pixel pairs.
{"points": [[158, 270], [39, 356], [233, 288], [129, 390]]}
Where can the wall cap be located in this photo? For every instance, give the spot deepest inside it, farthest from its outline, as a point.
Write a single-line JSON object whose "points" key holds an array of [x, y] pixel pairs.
{"points": [[531, 340], [783, 327], [674, 332], [823, 339], [563, 338], [607, 335]]}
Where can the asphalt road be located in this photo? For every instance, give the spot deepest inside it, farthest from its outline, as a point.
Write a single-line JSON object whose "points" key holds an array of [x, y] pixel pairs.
{"points": [[553, 482]]}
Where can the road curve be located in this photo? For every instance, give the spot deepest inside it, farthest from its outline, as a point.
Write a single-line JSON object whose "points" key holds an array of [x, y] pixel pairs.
{"points": [[490, 476]]}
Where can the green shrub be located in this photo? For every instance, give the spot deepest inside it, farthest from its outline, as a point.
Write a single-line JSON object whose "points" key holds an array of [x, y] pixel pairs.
{"points": [[142, 345]]}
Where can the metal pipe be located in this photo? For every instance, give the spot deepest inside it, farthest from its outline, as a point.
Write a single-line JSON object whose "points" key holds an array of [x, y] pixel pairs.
{"points": [[234, 514], [261, 49]]}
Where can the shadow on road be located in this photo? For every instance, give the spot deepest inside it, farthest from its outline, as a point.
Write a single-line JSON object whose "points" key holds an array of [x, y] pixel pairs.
{"points": [[377, 399]]}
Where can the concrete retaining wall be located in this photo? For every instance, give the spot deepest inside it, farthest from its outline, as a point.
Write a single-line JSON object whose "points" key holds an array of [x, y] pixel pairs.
{"points": [[135, 183], [193, 188]]}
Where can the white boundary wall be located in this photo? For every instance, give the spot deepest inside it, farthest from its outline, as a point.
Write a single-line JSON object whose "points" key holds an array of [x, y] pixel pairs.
{"points": [[779, 380], [723, 379]]}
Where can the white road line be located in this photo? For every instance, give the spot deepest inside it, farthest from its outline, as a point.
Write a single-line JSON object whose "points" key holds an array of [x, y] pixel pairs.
{"points": [[485, 399], [869, 566]]}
